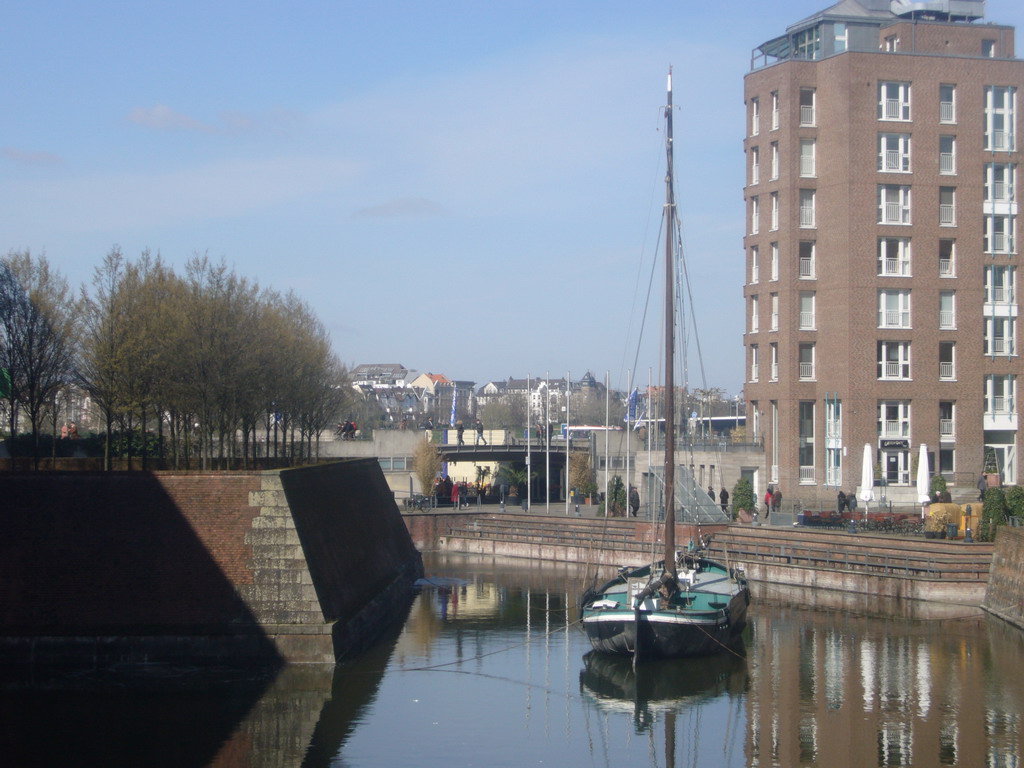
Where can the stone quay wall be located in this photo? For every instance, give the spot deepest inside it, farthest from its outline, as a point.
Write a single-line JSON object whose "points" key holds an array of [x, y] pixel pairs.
{"points": [[299, 565], [1005, 594]]}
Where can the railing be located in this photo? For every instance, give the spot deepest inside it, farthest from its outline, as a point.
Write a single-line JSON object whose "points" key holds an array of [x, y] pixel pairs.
{"points": [[806, 165], [775, 473], [806, 114], [947, 214], [947, 162], [946, 268], [895, 318], [947, 113], [946, 428], [1002, 347], [947, 319], [999, 192], [806, 216], [894, 370], [775, 372], [807, 371], [894, 213], [998, 243], [999, 141], [1000, 405], [775, 321], [753, 372], [894, 109], [895, 428], [807, 268], [1001, 295], [775, 218], [755, 175], [946, 371], [806, 475], [806, 321], [892, 160], [893, 266], [775, 119]]}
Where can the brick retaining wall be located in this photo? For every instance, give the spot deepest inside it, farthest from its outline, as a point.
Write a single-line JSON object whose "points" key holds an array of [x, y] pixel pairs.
{"points": [[1005, 594]]}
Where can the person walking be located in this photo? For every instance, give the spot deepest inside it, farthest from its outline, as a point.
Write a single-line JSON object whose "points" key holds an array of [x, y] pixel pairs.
{"points": [[634, 501], [480, 433], [982, 486], [840, 503], [455, 495], [460, 430], [711, 492], [723, 498], [767, 501], [776, 500]]}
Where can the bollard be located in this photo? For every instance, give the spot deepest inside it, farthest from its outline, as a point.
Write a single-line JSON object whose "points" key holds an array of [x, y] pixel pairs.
{"points": [[967, 536]]}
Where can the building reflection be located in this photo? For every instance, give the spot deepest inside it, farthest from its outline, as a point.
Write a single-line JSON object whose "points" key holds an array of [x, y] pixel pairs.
{"points": [[829, 689]]}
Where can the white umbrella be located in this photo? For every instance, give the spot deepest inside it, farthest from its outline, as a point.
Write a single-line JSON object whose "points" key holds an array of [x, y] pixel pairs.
{"points": [[867, 476], [923, 496]]}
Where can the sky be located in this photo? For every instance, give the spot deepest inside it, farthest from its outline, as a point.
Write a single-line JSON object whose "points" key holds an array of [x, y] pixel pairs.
{"points": [[470, 188]]}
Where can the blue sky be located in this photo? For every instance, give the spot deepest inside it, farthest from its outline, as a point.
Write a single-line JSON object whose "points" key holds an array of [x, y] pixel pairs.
{"points": [[469, 188]]}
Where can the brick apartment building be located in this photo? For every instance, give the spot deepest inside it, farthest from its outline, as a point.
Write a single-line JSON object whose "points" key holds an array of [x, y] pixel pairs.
{"points": [[881, 148]]}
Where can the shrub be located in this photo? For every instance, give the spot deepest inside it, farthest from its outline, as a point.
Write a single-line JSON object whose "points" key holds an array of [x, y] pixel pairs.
{"points": [[743, 496], [993, 514], [938, 486], [1015, 501]]}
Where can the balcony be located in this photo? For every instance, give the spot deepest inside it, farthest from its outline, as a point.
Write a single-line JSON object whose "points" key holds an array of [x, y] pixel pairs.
{"points": [[894, 370], [806, 475], [1002, 348], [946, 371], [775, 321], [754, 370], [947, 214], [893, 110], [947, 112], [895, 428], [806, 321], [947, 163], [806, 216], [807, 114], [807, 269], [895, 318], [946, 268], [806, 165], [807, 371], [947, 320], [1000, 405], [775, 372], [1001, 295], [946, 429], [999, 141]]}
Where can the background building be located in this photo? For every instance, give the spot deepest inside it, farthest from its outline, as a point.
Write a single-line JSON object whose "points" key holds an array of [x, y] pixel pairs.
{"points": [[881, 205]]}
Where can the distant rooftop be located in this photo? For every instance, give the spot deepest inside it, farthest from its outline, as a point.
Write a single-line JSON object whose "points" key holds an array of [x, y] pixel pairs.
{"points": [[853, 25]]}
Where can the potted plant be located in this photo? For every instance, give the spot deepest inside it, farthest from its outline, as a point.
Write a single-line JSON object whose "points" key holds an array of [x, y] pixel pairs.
{"points": [[743, 503], [938, 522]]}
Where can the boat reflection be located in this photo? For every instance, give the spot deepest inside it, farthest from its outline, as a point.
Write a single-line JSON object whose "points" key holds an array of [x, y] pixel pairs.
{"points": [[655, 687]]}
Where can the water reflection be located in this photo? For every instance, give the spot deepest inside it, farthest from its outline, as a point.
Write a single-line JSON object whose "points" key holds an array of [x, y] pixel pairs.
{"points": [[490, 669]]}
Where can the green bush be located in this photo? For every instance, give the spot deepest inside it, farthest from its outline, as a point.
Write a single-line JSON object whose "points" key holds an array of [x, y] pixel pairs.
{"points": [[743, 496], [993, 514], [1015, 501], [616, 498], [938, 486]]}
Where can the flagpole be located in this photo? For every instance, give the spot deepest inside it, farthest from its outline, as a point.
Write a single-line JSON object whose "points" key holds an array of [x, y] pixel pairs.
{"points": [[547, 441], [630, 404], [607, 418], [529, 415], [568, 443]]}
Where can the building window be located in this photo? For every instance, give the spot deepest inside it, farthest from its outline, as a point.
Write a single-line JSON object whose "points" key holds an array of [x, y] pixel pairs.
{"points": [[775, 159], [775, 312], [807, 208], [807, 311], [947, 360], [775, 211], [999, 337], [999, 233], [755, 116], [754, 268], [894, 152], [807, 107], [1000, 394], [947, 103], [893, 204], [775, 110], [753, 362], [755, 165], [947, 206], [774, 411], [894, 256], [893, 308], [755, 321], [893, 360], [807, 44], [947, 155], [988, 49], [947, 421], [893, 101], [839, 37], [806, 260], [999, 284], [947, 258], [1000, 186], [755, 215], [891, 43], [806, 443], [807, 152], [947, 310], [806, 351], [833, 441], [774, 250], [999, 118], [894, 418], [774, 362]]}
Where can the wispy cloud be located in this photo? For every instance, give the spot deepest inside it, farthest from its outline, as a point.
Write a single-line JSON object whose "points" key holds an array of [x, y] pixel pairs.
{"points": [[403, 207], [163, 118], [27, 157]]}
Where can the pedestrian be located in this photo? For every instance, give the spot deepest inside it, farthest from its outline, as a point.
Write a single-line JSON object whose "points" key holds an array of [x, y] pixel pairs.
{"points": [[711, 492], [634, 500], [455, 495], [982, 486], [64, 431], [459, 430], [851, 502], [840, 503], [480, 433], [723, 497], [767, 501], [776, 500]]}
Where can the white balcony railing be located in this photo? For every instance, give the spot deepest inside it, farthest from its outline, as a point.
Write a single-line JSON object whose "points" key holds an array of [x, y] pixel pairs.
{"points": [[947, 214], [755, 175], [895, 428], [1000, 404], [806, 165], [893, 370], [947, 163], [947, 114], [999, 141], [998, 243], [807, 371], [895, 318], [806, 216], [807, 268], [946, 428], [893, 109], [775, 372], [946, 371], [806, 114], [1001, 295], [806, 475], [806, 321], [999, 191], [775, 473], [754, 369], [1002, 347], [775, 321], [946, 268], [891, 266], [947, 319]]}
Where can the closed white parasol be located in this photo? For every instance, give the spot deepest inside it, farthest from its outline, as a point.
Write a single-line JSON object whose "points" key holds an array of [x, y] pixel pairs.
{"points": [[867, 477], [923, 495]]}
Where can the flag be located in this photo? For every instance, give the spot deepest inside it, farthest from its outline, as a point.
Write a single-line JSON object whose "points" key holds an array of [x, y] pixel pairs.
{"points": [[451, 422], [631, 410]]}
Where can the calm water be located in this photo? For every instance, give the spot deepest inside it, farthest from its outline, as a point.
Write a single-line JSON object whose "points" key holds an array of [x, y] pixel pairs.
{"points": [[489, 669]]}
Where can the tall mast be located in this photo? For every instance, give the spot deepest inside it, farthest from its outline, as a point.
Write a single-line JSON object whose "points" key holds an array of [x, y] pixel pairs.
{"points": [[670, 406]]}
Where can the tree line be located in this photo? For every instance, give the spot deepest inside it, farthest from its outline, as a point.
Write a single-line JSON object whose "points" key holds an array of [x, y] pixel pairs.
{"points": [[205, 368]]}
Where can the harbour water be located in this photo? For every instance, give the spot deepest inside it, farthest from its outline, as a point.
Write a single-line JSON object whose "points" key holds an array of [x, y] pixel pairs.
{"points": [[491, 669]]}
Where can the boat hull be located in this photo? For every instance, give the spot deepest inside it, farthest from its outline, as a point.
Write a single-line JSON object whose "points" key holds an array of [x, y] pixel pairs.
{"points": [[666, 634]]}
